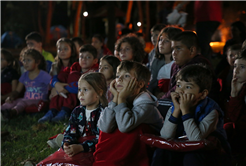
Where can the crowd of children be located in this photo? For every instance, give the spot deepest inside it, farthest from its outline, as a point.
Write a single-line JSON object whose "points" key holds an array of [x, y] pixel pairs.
{"points": [[112, 99]]}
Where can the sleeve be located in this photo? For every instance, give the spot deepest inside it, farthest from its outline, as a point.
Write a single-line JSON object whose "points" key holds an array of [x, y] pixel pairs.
{"points": [[54, 80], [128, 119], [168, 130], [46, 77], [199, 132], [72, 87], [107, 122], [48, 65], [23, 77]]}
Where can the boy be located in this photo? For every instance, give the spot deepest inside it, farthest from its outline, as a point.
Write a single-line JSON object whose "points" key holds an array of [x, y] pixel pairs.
{"points": [[192, 114], [34, 40], [236, 110], [185, 49], [155, 30], [120, 122]]}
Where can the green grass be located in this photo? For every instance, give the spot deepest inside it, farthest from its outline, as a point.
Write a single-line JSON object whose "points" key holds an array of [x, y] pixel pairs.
{"points": [[27, 139]]}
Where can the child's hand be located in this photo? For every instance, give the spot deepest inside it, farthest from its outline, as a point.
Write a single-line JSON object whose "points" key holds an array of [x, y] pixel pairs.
{"points": [[114, 92], [175, 99], [73, 149], [236, 87], [60, 87], [53, 93], [128, 90], [186, 102]]}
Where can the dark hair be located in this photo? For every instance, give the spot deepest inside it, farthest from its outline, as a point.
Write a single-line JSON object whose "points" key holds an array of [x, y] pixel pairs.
{"points": [[78, 40], [235, 47], [8, 56], [187, 38], [157, 27], [242, 54], [113, 61], [141, 72], [171, 31], [73, 57], [34, 36], [136, 45], [241, 27], [89, 48], [199, 73], [99, 37], [98, 82], [37, 56]]}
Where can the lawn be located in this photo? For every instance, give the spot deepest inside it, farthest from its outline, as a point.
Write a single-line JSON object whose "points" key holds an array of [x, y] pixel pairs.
{"points": [[25, 139]]}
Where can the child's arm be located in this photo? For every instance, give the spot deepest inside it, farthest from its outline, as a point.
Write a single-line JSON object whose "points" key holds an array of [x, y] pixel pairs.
{"points": [[14, 94], [14, 84]]}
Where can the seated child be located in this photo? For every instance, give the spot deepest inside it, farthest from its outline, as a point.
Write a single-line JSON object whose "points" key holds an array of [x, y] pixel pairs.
{"points": [[120, 122], [192, 114], [78, 42], [82, 132], [236, 108], [108, 66], [35, 81], [10, 73]]}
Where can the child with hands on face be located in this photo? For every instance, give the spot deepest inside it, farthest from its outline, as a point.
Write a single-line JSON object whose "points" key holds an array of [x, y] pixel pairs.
{"points": [[193, 115]]}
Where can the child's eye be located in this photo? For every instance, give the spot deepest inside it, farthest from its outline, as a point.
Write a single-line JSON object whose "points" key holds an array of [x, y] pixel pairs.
{"points": [[79, 90], [117, 76], [85, 89], [178, 85], [242, 66], [127, 76], [188, 87], [105, 68]]}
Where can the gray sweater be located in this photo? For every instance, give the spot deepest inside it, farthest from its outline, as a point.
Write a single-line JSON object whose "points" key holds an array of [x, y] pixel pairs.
{"points": [[144, 111]]}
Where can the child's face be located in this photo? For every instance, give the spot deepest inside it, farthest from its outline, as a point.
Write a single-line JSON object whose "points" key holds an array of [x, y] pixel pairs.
{"points": [[106, 69], [122, 79], [188, 88], [96, 43], [154, 36], [63, 51], [87, 95], [116, 53], [126, 52], [86, 60], [239, 70], [33, 44], [181, 53], [29, 63], [164, 44], [4, 62], [77, 46], [231, 55]]}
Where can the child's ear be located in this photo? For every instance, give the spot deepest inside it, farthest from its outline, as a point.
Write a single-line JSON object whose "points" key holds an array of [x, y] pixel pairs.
{"points": [[141, 84], [95, 61], [204, 94], [193, 50]]}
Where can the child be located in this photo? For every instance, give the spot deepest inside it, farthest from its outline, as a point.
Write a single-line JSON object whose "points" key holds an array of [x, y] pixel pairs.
{"points": [[98, 43], [108, 66], [155, 30], [131, 49], [78, 42], [36, 82], [60, 104], [132, 105], [192, 114], [163, 58], [116, 52], [185, 49], [10, 73], [34, 40], [236, 109]]}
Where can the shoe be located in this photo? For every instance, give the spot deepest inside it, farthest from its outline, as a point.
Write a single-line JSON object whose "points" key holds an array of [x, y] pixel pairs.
{"points": [[52, 144], [61, 115], [47, 117], [59, 139]]}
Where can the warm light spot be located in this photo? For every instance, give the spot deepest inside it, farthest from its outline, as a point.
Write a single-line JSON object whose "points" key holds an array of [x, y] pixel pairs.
{"points": [[139, 24], [85, 14], [217, 46], [194, 32], [243, 12]]}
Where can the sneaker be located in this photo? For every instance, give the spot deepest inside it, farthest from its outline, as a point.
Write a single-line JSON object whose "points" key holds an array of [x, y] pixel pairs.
{"points": [[61, 115], [47, 117], [52, 143], [59, 139]]}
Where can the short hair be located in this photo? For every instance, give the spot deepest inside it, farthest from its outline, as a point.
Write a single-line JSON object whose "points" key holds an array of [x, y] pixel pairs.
{"points": [[89, 48], [235, 47], [79, 40], [141, 72], [37, 56], [34, 36], [113, 61], [136, 45], [99, 37], [98, 82], [188, 38], [242, 54], [171, 31], [9, 57], [199, 73], [157, 27]]}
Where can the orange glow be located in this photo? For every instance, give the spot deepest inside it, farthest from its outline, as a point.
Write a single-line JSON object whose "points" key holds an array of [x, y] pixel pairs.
{"points": [[217, 46], [243, 12]]}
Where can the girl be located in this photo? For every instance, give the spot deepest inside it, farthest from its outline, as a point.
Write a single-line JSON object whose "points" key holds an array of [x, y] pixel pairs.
{"points": [[130, 48], [36, 82], [162, 62], [62, 104], [108, 66], [10, 73], [97, 42]]}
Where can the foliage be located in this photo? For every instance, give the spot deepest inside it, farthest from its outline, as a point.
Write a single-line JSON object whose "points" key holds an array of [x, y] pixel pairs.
{"points": [[27, 139]]}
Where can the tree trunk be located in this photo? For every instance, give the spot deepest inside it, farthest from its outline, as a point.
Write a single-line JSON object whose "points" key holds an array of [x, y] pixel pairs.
{"points": [[147, 22], [111, 26], [77, 19], [48, 23], [129, 10]]}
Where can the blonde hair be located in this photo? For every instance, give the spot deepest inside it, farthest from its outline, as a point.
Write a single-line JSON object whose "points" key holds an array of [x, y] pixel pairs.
{"points": [[98, 82]]}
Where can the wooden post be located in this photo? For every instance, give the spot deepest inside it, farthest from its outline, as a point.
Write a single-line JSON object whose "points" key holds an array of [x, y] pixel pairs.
{"points": [[147, 22], [129, 10], [77, 19]]}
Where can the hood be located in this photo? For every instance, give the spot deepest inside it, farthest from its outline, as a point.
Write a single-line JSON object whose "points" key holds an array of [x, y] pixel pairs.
{"points": [[145, 97]]}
